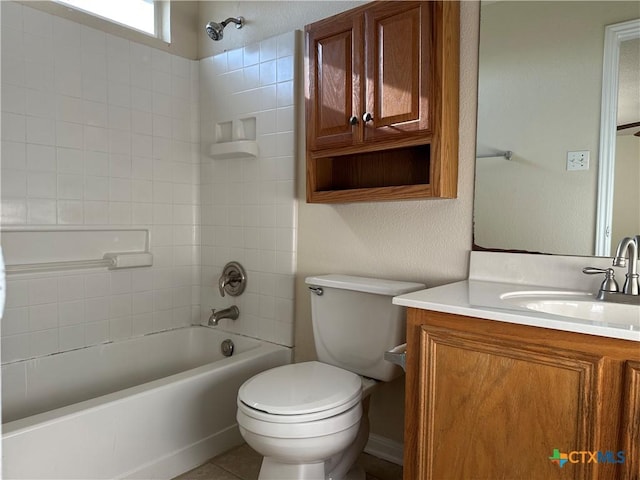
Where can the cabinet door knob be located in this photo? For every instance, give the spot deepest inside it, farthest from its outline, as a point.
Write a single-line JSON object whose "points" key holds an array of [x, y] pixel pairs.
{"points": [[353, 120], [367, 117]]}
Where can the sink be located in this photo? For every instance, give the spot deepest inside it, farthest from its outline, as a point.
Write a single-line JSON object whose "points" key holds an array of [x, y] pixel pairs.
{"points": [[577, 305]]}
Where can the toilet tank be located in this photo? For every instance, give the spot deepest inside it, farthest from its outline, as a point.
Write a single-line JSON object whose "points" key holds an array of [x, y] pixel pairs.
{"points": [[355, 322]]}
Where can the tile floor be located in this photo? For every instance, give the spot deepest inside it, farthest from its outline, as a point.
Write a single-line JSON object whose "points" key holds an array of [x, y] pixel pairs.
{"points": [[242, 463]]}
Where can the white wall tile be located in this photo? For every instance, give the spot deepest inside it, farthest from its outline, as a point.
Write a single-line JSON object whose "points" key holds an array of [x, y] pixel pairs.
{"points": [[94, 88], [120, 305], [13, 155], [15, 321], [13, 99], [120, 282], [14, 183], [43, 343], [70, 186], [71, 313], [71, 161], [257, 225], [71, 287], [70, 212], [120, 213], [14, 211], [96, 213], [268, 49], [13, 127], [41, 211], [96, 188], [40, 130], [69, 135], [17, 293], [38, 21], [43, 317], [12, 14], [111, 135], [97, 332], [71, 337]]}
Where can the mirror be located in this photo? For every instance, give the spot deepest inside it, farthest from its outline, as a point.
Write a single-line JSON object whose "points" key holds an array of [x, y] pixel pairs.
{"points": [[540, 97]]}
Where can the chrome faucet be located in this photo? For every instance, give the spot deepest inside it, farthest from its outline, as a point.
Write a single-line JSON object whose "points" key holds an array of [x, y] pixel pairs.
{"points": [[216, 315], [233, 279], [627, 251], [628, 248]]}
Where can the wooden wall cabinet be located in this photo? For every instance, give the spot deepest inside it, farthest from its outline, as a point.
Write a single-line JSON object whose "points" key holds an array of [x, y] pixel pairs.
{"points": [[489, 399], [382, 102]]}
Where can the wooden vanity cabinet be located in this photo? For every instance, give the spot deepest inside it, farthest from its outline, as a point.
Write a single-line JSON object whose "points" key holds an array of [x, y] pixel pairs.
{"points": [[382, 102], [487, 399]]}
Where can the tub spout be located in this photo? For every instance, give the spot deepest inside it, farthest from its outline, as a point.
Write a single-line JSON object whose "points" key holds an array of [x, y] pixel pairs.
{"points": [[216, 315]]}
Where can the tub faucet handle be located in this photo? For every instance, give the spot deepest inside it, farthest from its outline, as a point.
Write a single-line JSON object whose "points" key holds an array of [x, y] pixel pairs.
{"points": [[233, 279]]}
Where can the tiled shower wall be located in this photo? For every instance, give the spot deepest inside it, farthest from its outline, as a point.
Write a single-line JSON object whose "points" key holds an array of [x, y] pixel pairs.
{"points": [[98, 131], [248, 204]]}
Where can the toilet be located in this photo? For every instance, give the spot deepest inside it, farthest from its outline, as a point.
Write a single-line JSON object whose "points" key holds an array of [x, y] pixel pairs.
{"points": [[306, 419]]}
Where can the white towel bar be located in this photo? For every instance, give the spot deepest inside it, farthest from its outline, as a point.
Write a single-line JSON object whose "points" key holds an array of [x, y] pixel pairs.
{"points": [[112, 261]]}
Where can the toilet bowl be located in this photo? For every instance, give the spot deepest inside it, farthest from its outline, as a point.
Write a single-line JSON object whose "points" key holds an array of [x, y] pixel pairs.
{"points": [[300, 417], [307, 419]]}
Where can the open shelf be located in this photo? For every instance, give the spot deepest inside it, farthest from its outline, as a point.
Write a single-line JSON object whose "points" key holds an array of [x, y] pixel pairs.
{"points": [[388, 174]]}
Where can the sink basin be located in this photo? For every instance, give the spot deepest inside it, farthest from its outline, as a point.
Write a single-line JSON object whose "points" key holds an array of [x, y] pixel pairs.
{"points": [[577, 305]]}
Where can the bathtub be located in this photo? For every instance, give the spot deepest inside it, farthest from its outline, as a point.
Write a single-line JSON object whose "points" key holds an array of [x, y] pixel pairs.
{"points": [[148, 407]]}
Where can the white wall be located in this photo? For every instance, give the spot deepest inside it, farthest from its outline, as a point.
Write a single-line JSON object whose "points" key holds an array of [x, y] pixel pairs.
{"points": [[539, 96], [249, 204], [97, 131]]}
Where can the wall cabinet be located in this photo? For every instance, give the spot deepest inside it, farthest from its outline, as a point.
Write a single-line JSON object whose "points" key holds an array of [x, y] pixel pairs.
{"points": [[490, 399], [382, 102]]}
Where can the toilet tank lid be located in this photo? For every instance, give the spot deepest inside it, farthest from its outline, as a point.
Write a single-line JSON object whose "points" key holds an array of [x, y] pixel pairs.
{"points": [[364, 284]]}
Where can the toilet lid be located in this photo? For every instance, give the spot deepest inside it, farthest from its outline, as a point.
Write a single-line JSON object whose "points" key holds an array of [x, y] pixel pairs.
{"points": [[300, 388]]}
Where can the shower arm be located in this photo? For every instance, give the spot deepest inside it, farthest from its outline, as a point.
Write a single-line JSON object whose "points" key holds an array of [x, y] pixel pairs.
{"points": [[239, 22]]}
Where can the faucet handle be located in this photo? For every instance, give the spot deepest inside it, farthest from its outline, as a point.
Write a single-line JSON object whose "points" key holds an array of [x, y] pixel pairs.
{"points": [[609, 283], [233, 279]]}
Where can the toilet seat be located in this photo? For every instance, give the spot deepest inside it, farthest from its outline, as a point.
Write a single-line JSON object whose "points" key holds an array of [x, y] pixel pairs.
{"points": [[299, 392]]}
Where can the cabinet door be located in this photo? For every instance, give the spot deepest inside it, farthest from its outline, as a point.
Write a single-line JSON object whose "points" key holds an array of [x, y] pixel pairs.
{"points": [[491, 408], [630, 430], [398, 69], [334, 49]]}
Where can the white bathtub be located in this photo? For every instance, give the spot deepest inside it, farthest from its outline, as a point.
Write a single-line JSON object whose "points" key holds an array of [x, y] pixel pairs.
{"points": [[149, 407]]}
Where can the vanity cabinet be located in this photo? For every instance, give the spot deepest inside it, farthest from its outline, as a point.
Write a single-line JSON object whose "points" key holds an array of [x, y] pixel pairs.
{"points": [[487, 399], [382, 102]]}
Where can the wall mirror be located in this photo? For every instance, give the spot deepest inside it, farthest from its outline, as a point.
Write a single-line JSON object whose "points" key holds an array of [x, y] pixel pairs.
{"points": [[540, 97]]}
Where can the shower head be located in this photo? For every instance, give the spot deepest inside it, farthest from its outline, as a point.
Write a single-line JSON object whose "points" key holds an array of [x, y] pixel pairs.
{"points": [[214, 30]]}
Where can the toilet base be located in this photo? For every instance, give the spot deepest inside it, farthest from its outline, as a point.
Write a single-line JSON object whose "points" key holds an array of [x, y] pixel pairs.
{"points": [[273, 470]]}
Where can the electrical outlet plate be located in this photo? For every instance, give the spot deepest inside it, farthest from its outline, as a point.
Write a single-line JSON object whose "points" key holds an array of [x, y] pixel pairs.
{"points": [[578, 160]]}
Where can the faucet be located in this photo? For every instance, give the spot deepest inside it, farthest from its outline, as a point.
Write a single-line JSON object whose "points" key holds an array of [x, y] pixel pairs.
{"points": [[216, 315], [628, 247], [233, 279], [627, 250]]}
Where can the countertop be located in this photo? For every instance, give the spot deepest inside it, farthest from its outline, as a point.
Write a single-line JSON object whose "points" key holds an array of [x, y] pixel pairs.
{"points": [[482, 299]]}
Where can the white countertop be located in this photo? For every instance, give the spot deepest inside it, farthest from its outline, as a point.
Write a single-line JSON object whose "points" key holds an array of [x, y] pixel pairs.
{"points": [[482, 299]]}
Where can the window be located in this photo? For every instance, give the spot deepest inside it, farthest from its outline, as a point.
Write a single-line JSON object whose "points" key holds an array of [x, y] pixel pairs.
{"points": [[143, 15]]}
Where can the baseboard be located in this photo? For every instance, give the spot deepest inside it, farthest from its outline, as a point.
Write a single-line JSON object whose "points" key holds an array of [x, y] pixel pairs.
{"points": [[385, 448], [185, 459]]}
